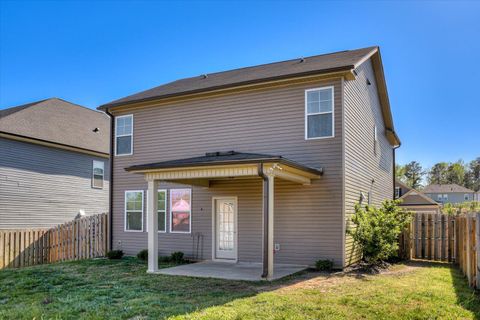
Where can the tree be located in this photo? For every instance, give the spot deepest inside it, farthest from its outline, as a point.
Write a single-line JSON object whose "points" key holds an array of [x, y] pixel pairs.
{"points": [[438, 173], [413, 174], [472, 175], [456, 173], [400, 172]]}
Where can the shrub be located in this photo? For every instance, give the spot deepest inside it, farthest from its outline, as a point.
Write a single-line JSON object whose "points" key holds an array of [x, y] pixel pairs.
{"points": [[164, 259], [324, 265], [177, 257], [115, 254], [143, 255], [377, 230]]}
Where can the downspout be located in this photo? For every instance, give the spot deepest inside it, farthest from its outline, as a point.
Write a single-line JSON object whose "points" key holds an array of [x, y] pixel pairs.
{"points": [[394, 167], [261, 173], [110, 190]]}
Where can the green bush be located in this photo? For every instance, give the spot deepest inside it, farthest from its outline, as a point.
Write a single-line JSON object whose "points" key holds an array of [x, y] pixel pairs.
{"points": [[143, 255], [376, 230], [115, 254], [324, 265], [177, 257], [164, 259]]}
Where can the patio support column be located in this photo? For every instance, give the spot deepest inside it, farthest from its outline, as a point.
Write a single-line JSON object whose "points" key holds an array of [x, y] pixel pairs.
{"points": [[271, 194], [152, 222]]}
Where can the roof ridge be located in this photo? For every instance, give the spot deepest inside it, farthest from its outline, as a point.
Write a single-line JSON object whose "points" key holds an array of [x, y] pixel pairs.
{"points": [[276, 62]]}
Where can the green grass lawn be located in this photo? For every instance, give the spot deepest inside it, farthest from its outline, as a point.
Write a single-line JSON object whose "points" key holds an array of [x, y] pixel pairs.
{"points": [[99, 289]]}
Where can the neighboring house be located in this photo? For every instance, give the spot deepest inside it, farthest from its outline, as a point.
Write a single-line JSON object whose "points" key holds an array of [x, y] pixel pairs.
{"points": [[449, 193], [311, 138], [414, 200], [54, 163]]}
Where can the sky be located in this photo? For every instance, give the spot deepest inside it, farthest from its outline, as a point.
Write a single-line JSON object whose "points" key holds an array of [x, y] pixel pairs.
{"points": [[93, 52]]}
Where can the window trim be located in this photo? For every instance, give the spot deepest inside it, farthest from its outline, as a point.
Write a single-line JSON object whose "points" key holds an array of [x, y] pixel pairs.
{"points": [[466, 197], [397, 192], [125, 210], [166, 211], [123, 135], [171, 212], [93, 174], [317, 113]]}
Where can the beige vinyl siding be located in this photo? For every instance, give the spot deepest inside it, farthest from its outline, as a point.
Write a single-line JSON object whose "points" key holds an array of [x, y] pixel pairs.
{"points": [[41, 186], [362, 113], [308, 219]]}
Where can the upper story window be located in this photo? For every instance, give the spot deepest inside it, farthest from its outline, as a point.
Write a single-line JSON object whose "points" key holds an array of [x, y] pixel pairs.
{"points": [[124, 135], [319, 117], [398, 192], [98, 174]]}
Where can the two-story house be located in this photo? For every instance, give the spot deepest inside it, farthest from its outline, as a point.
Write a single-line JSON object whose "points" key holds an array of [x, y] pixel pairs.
{"points": [[54, 163], [449, 193], [259, 164]]}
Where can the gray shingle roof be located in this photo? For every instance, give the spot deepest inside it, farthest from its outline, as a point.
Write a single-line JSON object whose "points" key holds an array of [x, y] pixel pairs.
{"points": [[446, 188], [223, 158], [338, 61], [58, 121]]}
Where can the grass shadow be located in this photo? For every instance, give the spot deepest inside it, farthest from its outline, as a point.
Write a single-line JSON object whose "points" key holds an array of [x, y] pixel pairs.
{"points": [[466, 297]]}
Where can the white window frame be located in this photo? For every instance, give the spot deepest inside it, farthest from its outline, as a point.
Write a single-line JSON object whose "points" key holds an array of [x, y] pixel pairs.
{"points": [[94, 163], [170, 218], [166, 210], [317, 113], [466, 197], [439, 197], [397, 192], [125, 211], [123, 135], [445, 197]]}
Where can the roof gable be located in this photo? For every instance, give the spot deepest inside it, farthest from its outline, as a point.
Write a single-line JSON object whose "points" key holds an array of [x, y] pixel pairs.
{"points": [[414, 197], [57, 121]]}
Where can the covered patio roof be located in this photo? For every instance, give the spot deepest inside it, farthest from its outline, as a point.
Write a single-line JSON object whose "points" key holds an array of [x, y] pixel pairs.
{"points": [[226, 165], [218, 166]]}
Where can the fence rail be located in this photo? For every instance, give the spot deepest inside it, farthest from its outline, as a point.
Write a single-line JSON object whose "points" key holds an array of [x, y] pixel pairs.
{"points": [[83, 238], [439, 237]]}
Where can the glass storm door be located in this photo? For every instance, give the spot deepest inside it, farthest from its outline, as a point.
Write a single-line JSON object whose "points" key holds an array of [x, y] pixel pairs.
{"points": [[225, 229]]}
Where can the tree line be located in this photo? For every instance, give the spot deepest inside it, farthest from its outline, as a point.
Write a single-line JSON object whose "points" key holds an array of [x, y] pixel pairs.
{"points": [[459, 172]]}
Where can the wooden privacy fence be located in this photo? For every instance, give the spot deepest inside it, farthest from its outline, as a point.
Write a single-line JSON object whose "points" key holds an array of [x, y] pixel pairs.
{"points": [[468, 247], [440, 237], [82, 238]]}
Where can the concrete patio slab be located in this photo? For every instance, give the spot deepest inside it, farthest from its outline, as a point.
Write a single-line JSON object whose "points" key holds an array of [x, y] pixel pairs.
{"points": [[230, 271]]}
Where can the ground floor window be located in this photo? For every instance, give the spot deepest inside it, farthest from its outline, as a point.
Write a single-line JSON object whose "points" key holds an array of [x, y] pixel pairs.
{"points": [[180, 210], [161, 211], [134, 210]]}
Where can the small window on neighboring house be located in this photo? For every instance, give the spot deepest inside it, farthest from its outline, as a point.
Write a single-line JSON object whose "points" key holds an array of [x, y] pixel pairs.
{"points": [[180, 210], [134, 210], [98, 174], [124, 135], [161, 210], [319, 113], [466, 197], [445, 197], [398, 191], [439, 197]]}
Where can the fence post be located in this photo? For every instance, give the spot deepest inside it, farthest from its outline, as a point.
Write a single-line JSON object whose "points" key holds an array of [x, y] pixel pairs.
{"points": [[477, 242]]}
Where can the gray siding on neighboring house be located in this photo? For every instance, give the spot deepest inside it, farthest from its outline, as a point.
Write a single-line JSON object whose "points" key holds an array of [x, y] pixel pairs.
{"points": [[42, 186], [362, 164], [308, 219], [453, 197]]}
